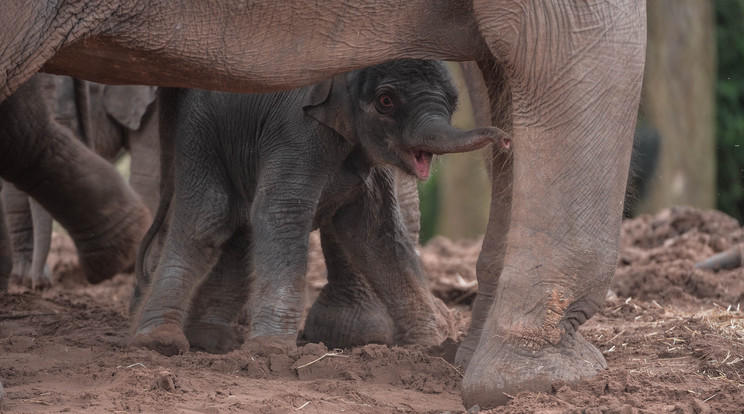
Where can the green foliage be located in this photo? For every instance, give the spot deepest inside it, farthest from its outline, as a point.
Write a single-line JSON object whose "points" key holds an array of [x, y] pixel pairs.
{"points": [[730, 106], [429, 202]]}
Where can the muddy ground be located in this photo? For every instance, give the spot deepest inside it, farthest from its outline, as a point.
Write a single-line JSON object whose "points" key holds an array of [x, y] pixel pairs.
{"points": [[673, 338]]}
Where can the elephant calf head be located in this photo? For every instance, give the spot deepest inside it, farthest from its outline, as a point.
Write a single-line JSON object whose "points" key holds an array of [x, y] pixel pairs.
{"points": [[400, 113]]}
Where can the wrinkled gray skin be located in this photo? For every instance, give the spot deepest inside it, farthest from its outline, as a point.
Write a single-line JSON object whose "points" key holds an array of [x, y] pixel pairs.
{"points": [[239, 204], [107, 119], [86, 194], [573, 70], [29, 233]]}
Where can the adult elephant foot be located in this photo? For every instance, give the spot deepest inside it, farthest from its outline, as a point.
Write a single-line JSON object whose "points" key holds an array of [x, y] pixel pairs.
{"points": [[167, 339], [500, 369]]}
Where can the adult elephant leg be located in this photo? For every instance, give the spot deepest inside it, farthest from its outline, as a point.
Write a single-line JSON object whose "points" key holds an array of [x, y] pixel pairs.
{"points": [[30, 228], [104, 217], [41, 277], [21, 229], [574, 73], [220, 297], [489, 111], [491, 260]]}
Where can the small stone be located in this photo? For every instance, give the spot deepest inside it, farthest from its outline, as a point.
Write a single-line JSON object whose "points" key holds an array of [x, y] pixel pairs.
{"points": [[314, 349], [474, 409], [166, 381]]}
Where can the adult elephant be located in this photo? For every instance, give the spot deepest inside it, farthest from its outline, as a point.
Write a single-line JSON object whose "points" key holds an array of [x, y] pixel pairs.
{"points": [[107, 119], [573, 73], [43, 158]]}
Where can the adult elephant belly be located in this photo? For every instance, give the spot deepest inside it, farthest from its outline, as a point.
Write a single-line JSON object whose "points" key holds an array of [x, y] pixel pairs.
{"points": [[572, 71]]}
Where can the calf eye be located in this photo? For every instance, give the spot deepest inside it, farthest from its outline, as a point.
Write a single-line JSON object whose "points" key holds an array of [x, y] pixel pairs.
{"points": [[384, 103]]}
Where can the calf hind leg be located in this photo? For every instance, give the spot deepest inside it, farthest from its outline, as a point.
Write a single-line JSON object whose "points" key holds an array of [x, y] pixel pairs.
{"points": [[347, 312], [221, 296], [374, 268]]}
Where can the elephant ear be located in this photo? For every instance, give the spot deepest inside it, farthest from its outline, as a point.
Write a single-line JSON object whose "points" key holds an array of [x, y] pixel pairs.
{"points": [[127, 104], [329, 103]]}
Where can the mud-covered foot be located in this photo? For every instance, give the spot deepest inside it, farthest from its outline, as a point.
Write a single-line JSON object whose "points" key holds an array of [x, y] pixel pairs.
{"points": [[499, 368], [102, 256], [268, 345], [215, 339], [36, 281], [340, 320], [167, 339]]}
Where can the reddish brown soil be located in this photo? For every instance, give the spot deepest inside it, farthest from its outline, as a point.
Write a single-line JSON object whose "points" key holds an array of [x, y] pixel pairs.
{"points": [[673, 339]]}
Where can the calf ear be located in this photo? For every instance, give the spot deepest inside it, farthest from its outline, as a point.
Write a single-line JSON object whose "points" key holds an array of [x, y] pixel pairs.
{"points": [[328, 103]]}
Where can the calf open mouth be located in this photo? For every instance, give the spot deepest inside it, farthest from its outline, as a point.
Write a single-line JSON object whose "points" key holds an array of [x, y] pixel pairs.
{"points": [[421, 163]]}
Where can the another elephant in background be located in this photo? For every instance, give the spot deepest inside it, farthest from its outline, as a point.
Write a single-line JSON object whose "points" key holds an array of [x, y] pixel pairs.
{"points": [[47, 121], [239, 204], [107, 119]]}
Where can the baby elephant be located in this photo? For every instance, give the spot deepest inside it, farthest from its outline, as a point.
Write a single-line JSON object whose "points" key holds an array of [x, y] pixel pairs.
{"points": [[246, 178]]}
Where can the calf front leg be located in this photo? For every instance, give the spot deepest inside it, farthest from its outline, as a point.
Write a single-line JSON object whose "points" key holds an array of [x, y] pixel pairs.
{"points": [[281, 217], [198, 229]]}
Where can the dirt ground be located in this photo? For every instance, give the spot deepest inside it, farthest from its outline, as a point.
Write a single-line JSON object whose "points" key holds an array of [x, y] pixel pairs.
{"points": [[673, 338]]}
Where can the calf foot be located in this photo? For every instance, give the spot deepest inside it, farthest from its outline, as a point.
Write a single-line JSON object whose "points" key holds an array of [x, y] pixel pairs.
{"points": [[499, 368], [213, 338], [342, 319], [167, 339]]}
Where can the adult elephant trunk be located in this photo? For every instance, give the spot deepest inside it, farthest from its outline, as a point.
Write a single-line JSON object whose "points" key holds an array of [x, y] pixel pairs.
{"points": [[104, 217]]}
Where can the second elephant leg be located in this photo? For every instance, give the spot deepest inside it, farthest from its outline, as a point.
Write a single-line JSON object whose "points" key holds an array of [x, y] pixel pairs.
{"points": [[40, 275], [347, 312], [491, 260], [21, 230], [377, 245], [81, 190]]}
